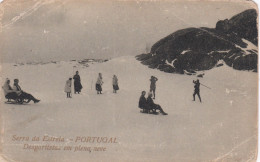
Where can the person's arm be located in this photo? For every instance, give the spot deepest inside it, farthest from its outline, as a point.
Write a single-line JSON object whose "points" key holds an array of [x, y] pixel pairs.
{"points": [[156, 79], [7, 90], [15, 89], [149, 102], [140, 102]]}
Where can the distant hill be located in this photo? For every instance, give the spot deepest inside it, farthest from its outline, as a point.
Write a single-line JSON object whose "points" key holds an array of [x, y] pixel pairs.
{"points": [[194, 49]]}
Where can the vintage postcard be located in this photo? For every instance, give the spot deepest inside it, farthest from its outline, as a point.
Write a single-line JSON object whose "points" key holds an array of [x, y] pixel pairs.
{"points": [[147, 81]]}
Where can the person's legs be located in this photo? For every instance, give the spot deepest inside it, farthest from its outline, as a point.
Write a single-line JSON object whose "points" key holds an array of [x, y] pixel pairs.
{"points": [[199, 96], [27, 96], [97, 89], [194, 96], [11, 95], [161, 110], [154, 93], [75, 87]]}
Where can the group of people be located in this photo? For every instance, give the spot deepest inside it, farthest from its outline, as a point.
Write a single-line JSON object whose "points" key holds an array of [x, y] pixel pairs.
{"points": [[78, 86], [146, 104], [16, 93]]}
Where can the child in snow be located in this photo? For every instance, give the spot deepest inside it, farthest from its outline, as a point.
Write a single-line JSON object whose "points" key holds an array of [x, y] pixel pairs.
{"points": [[115, 84], [68, 88], [99, 84], [153, 81]]}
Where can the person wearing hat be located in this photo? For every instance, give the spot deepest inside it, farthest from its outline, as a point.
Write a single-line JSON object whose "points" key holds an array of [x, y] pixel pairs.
{"points": [[23, 94], [8, 91], [151, 105], [153, 81], [196, 89]]}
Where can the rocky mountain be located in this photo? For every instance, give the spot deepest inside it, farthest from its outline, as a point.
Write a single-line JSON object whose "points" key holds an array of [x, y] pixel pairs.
{"points": [[194, 49]]}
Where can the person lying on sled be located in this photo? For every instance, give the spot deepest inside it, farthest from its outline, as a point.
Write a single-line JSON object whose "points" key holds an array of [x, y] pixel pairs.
{"points": [[8, 91], [23, 94]]}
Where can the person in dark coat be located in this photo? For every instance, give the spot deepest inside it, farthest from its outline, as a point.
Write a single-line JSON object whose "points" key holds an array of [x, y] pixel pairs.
{"points": [[196, 89], [151, 105], [153, 81], [142, 103], [23, 94], [77, 83]]}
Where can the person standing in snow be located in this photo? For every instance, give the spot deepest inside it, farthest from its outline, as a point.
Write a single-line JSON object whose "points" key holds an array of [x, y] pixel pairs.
{"points": [[67, 88], [196, 89], [115, 84], [152, 106], [153, 81], [77, 83], [23, 94], [99, 84]]}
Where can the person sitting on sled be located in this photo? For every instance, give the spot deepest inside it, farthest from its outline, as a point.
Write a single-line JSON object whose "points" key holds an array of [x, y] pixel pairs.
{"points": [[8, 91], [23, 94], [151, 105], [142, 103]]}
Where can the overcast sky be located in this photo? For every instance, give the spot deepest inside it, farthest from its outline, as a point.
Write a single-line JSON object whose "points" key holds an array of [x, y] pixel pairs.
{"points": [[63, 30]]}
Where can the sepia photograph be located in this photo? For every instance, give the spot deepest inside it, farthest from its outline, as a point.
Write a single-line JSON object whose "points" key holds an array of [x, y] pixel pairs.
{"points": [[128, 81]]}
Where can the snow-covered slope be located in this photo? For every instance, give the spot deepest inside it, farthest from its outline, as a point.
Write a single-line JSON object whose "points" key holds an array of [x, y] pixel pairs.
{"points": [[219, 128]]}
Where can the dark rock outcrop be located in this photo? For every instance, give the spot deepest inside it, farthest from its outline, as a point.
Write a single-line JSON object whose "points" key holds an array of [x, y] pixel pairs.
{"points": [[195, 49]]}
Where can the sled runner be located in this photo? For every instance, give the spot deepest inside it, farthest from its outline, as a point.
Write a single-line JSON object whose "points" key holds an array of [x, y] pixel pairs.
{"points": [[153, 112], [16, 101]]}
